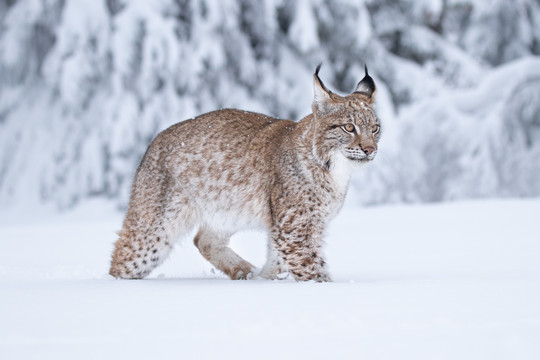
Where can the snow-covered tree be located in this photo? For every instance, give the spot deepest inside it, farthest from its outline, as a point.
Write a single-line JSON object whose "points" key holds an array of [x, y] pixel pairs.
{"points": [[86, 84]]}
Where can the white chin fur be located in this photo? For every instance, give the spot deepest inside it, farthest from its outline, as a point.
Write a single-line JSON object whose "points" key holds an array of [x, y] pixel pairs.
{"points": [[341, 169]]}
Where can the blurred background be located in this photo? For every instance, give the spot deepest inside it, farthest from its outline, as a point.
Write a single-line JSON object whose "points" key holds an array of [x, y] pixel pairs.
{"points": [[85, 85]]}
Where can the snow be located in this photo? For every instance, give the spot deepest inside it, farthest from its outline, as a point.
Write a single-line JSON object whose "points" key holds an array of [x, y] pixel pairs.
{"points": [[451, 281], [303, 32]]}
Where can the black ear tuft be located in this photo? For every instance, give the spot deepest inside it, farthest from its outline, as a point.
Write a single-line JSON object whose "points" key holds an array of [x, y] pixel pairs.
{"points": [[321, 94], [366, 86], [318, 69], [318, 79]]}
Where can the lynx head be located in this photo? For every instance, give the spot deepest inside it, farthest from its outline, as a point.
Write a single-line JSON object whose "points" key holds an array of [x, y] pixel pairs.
{"points": [[345, 124]]}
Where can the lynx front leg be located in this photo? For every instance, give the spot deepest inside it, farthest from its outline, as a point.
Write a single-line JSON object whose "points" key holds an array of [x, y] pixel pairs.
{"points": [[299, 244], [275, 265]]}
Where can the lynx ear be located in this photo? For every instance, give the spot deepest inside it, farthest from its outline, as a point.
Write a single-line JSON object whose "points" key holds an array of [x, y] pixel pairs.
{"points": [[321, 93], [366, 87]]}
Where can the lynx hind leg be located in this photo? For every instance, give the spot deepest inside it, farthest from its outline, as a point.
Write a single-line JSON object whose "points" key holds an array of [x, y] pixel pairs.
{"points": [[145, 242], [137, 252], [214, 248], [275, 265]]}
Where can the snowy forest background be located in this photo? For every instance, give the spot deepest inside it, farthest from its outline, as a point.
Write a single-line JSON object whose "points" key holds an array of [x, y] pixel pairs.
{"points": [[85, 85]]}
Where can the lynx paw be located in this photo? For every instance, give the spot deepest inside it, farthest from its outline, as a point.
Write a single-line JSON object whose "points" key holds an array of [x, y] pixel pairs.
{"points": [[243, 271], [240, 275]]}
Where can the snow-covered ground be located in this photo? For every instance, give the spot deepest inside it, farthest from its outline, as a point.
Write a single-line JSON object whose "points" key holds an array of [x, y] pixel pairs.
{"points": [[454, 281]]}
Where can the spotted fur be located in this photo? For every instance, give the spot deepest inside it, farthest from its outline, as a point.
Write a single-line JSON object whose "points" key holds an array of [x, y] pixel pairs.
{"points": [[229, 170]]}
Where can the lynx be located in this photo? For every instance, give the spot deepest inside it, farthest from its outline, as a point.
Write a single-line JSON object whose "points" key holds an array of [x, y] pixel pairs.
{"points": [[229, 170]]}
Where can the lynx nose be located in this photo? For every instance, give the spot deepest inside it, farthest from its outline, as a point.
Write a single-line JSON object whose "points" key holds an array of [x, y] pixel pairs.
{"points": [[368, 149]]}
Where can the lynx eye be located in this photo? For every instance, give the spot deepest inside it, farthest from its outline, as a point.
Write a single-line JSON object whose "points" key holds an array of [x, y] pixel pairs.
{"points": [[376, 128], [348, 127]]}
